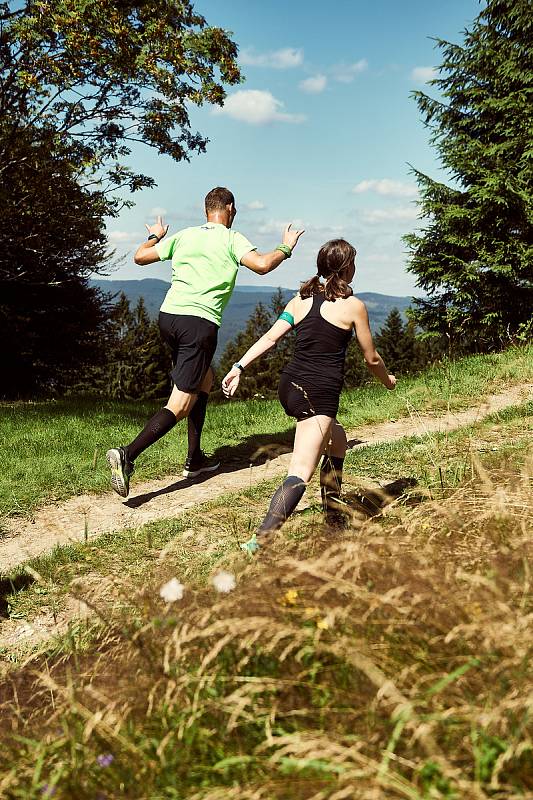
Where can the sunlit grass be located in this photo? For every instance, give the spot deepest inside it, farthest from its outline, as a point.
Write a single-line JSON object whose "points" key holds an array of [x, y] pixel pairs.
{"points": [[200, 540], [386, 662], [51, 451]]}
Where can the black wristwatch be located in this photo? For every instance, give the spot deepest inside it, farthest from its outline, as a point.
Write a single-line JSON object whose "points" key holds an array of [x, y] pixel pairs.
{"points": [[154, 236]]}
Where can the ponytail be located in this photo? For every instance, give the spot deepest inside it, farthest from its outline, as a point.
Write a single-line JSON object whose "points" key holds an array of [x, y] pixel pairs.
{"points": [[334, 259], [311, 287], [336, 287]]}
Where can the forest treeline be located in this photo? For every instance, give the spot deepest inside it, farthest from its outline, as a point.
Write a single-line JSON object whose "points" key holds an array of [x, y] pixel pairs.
{"points": [[81, 82], [137, 362]]}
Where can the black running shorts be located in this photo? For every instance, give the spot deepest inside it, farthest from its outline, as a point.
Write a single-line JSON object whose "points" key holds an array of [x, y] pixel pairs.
{"points": [[193, 341], [302, 401]]}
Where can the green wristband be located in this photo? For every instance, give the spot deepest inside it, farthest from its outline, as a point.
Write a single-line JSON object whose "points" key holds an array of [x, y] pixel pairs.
{"points": [[285, 249]]}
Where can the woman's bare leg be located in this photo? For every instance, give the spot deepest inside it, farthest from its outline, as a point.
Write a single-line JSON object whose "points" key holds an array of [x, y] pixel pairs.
{"points": [[309, 440]]}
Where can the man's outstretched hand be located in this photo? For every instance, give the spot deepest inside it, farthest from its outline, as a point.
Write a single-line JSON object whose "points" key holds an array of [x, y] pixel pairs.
{"points": [[159, 228], [290, 237]]}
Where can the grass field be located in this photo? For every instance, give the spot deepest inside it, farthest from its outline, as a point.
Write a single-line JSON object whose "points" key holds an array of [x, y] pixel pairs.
{"points": [[388, 661], [207, 538], [51, 451]]}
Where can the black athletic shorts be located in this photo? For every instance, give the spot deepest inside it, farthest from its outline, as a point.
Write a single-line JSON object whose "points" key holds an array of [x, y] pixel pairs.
{"points": [[193, 341], [302, 401]]}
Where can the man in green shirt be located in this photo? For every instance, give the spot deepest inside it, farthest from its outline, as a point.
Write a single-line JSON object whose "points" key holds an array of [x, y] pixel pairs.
{"points": [[205, 260]]}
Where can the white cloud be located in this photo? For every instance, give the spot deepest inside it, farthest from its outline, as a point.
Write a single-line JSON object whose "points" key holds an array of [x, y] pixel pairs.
{"points": [[255, 205], [256, 108], [423, 74], [387, 187], [121, 237], [314, 85], [286, 58], [345, 73], [277, 226], [398, 214], [158, 211]]}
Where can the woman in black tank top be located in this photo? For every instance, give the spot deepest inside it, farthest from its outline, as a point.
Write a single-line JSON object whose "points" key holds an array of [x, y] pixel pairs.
{"points": [[317, 366], [311, 383]]}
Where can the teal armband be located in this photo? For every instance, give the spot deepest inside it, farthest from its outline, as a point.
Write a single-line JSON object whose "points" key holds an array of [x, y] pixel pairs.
{"points": [[287, 317]]}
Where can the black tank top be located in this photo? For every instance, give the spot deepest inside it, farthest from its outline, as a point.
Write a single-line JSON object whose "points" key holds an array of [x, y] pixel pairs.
{"points": [[320, 350]]}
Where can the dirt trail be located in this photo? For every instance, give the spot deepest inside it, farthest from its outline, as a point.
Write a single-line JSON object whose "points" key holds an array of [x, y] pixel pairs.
{"points": [[162, 499]]}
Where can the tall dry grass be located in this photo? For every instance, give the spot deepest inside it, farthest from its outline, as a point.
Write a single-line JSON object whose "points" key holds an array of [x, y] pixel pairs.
{"points": [[393, 662]]}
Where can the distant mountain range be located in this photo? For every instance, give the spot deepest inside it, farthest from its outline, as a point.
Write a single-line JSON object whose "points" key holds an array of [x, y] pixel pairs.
{"points": [[242, 303]]}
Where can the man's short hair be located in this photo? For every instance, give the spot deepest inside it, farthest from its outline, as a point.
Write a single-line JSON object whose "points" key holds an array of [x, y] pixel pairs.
{"points": [[218, 198]]}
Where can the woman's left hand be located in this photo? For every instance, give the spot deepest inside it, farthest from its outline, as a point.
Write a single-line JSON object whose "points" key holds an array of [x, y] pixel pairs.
{"points": [[231, 382]]}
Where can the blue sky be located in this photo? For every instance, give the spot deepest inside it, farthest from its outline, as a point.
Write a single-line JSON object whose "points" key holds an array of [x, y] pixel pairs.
{"points": [[321, 133]]}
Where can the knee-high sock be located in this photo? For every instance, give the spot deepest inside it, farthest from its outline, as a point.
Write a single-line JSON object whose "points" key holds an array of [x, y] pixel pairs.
{"points": [[283, 503], [162, 421], [195, 423], [331, 481]]}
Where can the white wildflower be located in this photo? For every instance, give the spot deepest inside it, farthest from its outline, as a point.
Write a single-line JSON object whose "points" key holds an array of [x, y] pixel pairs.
{"points": [[224, 581], [172, 591]]}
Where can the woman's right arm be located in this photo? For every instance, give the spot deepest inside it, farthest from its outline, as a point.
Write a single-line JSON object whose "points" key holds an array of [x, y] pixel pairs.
{"points": [[231, 381], [372, 358]]}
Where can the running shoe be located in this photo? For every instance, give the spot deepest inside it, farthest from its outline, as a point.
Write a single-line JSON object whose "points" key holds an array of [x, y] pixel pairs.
{"points": [[121, 469], [198, 464], [251, 546]]}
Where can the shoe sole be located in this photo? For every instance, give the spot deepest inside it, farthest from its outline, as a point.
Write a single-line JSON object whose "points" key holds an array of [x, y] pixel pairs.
{"points": [[192, 473], [118, 480]]}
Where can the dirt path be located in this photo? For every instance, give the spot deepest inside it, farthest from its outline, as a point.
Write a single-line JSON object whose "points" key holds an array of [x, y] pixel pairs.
{"points": [[161, 499]]}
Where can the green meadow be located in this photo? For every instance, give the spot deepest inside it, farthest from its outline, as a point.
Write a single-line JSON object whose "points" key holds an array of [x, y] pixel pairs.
{"points": [[53, 450], [389, 659]]}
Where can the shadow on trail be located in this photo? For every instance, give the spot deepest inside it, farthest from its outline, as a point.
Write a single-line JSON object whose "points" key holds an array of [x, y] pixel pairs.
{"points": [[255, 450], [372, 502], [10, 586], [354, 442]]}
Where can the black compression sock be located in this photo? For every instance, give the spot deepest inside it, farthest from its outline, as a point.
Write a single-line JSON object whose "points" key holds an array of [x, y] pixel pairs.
{"points": [[283, 503], [195, 423], [331, 481], [162, 421]]}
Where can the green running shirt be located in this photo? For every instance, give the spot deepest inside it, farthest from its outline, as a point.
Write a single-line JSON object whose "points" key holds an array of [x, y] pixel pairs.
{"points": [[205, 261]]}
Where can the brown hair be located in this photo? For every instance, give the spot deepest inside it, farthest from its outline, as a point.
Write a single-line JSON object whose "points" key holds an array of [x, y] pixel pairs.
{"points": [[218, 198], [333, 260]]}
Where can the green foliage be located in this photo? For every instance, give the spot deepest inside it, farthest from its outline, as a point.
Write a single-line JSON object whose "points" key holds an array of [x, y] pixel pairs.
{"points": [[260, 378], [403, 351], [350, 665], [137, 361], [51, 320], [80, 82], [102, 75], [396, 344], [54, 450], [474, 256]]}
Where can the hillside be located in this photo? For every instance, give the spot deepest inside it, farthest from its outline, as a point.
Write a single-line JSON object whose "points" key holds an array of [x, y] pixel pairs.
{"points": [[242, 303]]}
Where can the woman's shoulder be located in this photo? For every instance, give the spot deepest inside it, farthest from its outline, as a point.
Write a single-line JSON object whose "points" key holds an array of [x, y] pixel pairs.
{"points": [[356, 303]]}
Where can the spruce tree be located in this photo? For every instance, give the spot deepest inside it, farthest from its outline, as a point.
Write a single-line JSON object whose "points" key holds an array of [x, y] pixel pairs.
{"points": [[396, 344], [355, 371], [474, 256], [281, 354], [257, 379]]}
